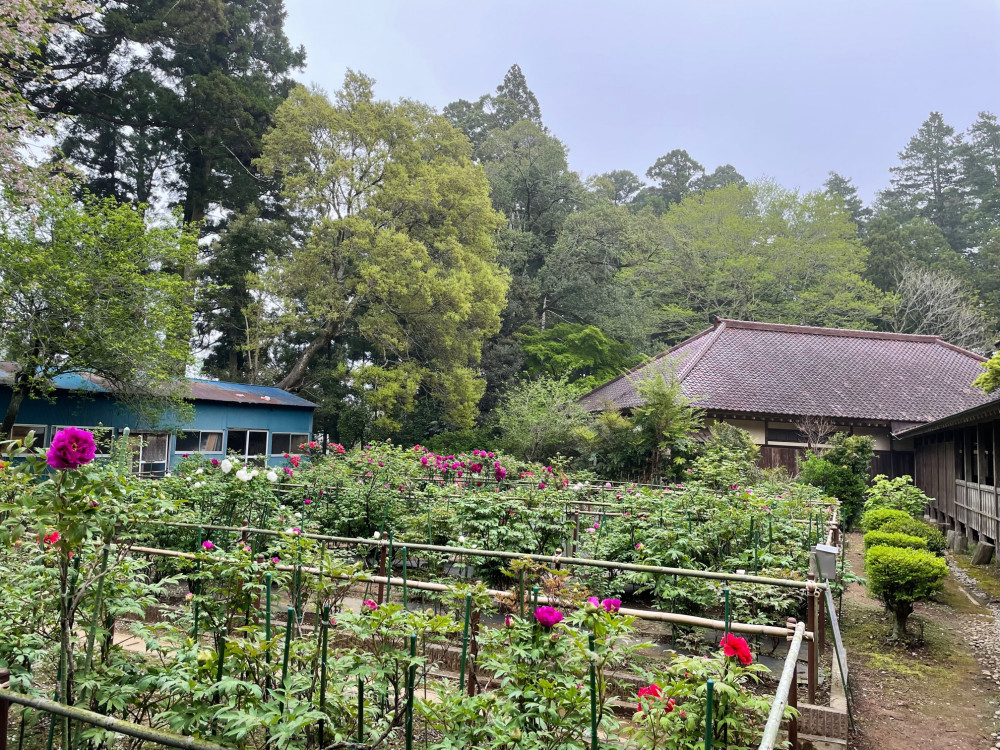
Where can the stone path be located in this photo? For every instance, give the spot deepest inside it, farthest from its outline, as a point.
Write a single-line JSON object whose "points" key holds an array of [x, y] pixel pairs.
{"points": [[983, 633]]}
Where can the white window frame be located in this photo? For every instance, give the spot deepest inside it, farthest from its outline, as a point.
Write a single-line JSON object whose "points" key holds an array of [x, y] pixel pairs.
{"points": [[293, 449], [199, 433], [41, 433], [91, 428], [141, 438], [244, 455]]}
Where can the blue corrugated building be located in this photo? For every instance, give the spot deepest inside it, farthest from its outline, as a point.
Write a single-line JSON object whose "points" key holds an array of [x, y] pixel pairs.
{"points": [[260, 423]]}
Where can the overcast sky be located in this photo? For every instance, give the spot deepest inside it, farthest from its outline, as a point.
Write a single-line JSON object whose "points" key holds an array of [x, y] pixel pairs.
{"points": [[788, 89]]}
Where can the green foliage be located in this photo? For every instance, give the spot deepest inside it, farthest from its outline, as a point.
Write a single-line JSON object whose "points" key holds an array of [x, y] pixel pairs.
{"points": [[417, 289], [760, 253], [580, 353], [898, 494], [87, 287], [614, 446], [874, 520], [540, 418], [936, 541], [668, 421], [729, 457], [900, 577], [894, 539], [842, 471]]}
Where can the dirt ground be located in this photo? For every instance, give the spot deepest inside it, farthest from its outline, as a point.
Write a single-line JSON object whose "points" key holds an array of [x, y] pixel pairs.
{"points": [[929, 696]]}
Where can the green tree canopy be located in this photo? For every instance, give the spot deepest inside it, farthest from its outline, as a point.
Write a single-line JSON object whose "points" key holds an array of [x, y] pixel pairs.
{"points": [[760, 253], [87, 287], [575, 351], [397, 268]]}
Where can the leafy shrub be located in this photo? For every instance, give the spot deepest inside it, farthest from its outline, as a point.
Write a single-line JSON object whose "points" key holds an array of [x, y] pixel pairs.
{"points": [[898, 494], [899, 577], [935, 539], [894, 539], [728, 457], [874, 520], [842, 471], [539, 418]]}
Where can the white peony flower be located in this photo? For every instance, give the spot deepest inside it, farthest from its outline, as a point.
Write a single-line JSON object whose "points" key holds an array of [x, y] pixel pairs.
{"points": [[196, 485], [271, 476], [243, 475], [200, 471], [461, 540], [377, 535], [254, 473], [226, 466]]}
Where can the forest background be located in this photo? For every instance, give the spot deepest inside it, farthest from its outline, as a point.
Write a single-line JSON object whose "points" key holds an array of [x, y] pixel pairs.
{"points": [[409, 270]]}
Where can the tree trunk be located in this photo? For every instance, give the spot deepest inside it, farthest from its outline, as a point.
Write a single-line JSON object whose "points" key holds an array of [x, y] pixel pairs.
{"points": [[297, 374], [900, 614], [16, 398]]}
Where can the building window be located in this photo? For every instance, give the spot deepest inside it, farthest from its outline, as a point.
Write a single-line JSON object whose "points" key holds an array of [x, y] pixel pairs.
{"points": [[960, 455], [104, 437], [973, 434], [986, 440], [199, 442], [247, 443], [287, 442], [777, 435], [149, 453], [20, 432]]}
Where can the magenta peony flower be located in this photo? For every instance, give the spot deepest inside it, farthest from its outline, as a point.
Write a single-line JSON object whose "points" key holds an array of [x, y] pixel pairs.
{"points": [[369, 604], [548, 616], [207, 545], [612, 605], [71, 448]]}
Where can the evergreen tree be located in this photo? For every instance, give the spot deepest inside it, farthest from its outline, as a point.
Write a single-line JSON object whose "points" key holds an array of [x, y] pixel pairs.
{"points": [[676, 174], [844, 189], [981, 176], [928, 183]]}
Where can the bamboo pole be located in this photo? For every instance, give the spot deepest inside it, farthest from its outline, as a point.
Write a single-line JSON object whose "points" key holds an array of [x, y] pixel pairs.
{"points": [[642, 614], [169, 739], [582, 562], [781, 697]]}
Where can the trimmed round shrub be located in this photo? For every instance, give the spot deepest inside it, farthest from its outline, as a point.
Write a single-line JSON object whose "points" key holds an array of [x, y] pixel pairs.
{"points": [[874, 520], [899, 577], [935, 539], [892, 539]]}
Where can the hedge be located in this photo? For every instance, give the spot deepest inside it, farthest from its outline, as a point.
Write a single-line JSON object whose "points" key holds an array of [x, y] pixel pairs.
{"points": [[894, 539], [911, 526], [899, 577], [874, 520]]}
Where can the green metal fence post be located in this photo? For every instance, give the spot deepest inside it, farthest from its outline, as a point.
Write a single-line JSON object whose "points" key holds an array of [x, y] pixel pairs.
{"points": [[325, 628], [403, 550], [593, 695], [727, 610], [465, 643], [708, 714], [197, 585], [267, 628], [411, 678], [361, 709], [289, 618]]}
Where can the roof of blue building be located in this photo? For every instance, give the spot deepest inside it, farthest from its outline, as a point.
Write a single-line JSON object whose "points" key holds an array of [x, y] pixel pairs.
{"points": [[200, 389]]}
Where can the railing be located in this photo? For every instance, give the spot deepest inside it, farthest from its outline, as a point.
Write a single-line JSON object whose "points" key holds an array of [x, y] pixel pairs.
{"points": [[785, 696], [167, 739]]}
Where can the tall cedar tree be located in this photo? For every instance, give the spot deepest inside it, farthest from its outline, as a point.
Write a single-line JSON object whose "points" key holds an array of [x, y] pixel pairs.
{"points": [[177, 98]]}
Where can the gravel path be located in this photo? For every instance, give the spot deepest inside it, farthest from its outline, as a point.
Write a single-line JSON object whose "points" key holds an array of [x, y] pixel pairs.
{"points": [[983, 632]]}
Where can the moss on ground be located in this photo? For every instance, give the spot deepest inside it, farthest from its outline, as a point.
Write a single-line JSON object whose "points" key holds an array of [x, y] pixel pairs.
{"points": [[987, 577]]}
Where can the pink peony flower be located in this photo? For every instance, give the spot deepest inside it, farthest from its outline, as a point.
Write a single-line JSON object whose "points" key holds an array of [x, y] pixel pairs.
{"points": [[215, 462], [372, 606], [548, 616], [70, 449], [612, 605], [207, 545]]}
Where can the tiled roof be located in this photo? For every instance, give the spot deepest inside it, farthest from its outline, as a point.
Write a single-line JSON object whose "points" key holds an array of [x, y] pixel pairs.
{"points": [[199, 389], [766, 368]]}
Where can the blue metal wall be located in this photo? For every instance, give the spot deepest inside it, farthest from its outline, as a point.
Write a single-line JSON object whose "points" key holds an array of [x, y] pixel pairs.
{"points": [[67, 409]]}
